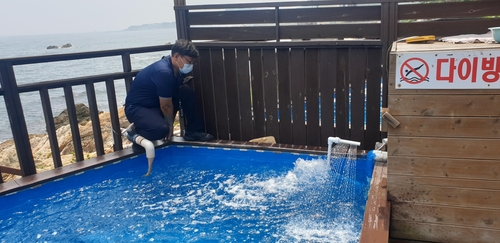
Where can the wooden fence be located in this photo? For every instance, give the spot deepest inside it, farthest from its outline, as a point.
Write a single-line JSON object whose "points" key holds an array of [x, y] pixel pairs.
{"points": [[263, 61]]}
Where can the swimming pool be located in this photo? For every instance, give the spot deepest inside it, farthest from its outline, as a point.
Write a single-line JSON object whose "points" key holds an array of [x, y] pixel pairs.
{"points": [[196, 194]]}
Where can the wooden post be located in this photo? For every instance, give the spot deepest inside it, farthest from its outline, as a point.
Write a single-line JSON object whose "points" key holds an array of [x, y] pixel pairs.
{"points": [[277, 20], [51, 130], [181, 20], [16, 118], [127, 68]]}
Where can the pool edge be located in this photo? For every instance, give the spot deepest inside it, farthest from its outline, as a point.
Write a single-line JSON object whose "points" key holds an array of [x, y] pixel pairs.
{"points": [[376, 220], [42, 177]]}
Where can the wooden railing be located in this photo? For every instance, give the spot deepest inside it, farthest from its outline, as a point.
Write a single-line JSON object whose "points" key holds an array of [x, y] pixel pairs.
{"points": [[11, 91]]}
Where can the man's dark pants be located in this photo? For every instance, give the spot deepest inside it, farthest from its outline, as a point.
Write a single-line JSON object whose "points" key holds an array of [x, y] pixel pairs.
{"points": [[150, 123]]}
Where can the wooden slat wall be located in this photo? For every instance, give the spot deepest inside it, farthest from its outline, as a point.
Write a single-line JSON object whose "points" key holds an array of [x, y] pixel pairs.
{"points": [[361, 21], [447, 19], [289, 93], [444, 163]]}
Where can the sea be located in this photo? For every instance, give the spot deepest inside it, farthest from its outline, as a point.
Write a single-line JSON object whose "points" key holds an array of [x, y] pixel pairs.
{"points": [[24, 46]]}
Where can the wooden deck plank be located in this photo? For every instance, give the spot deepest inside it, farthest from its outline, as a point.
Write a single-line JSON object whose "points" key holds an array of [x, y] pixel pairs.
{"points": [[478, 169], [448, 215], [377, 213], [444, 105], [442, 233], [405, 180], [447, 127], [444, 147], [441, 195]]}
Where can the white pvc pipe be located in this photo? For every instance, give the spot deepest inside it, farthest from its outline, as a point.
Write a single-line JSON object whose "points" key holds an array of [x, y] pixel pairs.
{"points": [[150, 151], [146, 144], [337, 140], [380, 155]]}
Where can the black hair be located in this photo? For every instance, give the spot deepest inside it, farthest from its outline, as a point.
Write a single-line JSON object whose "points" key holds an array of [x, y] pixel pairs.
{"points": [[185, 48]]}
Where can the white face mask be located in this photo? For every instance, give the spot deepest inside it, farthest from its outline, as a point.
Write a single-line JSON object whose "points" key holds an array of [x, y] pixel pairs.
{"points": [[186, 69]]}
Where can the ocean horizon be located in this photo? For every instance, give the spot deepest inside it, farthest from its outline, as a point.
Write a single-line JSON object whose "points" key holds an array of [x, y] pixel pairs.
{"points": [[36, 45]]}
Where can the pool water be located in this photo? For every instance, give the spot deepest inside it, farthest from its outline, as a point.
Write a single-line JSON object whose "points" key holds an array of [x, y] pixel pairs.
{"points": [[196, 194]]}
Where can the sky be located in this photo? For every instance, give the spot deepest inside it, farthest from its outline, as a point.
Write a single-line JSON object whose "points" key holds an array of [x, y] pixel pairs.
{"points": [[41, 17]]}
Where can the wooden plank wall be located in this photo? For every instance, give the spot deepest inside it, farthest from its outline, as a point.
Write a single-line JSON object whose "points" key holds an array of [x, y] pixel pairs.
{"points": [[444, 164], [447, 18], [252, 24], [299, 95]]}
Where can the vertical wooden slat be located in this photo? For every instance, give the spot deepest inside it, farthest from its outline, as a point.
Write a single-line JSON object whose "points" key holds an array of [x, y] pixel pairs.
{"points": [[208, 92], [393, 22], [285, 126], [113, 114], [357, 72], [312, 97], [257, 92], [51, 129], [73, 121], [232, 94], [277, 21], [197, 86], [94, 117], [181, 20], [16, 118], [127, 68], [297, 80], [270, 92], [342, 94], [220, 93], [373, 92], [245, 99], [327, 85]]}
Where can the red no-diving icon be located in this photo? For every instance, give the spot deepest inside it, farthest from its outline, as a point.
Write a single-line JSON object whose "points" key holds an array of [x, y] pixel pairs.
{"points": [[414, 71]]}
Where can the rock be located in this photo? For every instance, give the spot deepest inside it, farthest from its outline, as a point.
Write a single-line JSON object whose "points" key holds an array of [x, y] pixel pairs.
{"points": [[82, 115], [268, 139], [52, 47], [67, 45]]}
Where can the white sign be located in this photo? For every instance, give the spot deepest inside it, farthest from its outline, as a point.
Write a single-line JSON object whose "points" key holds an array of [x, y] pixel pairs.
{"points": [[457, 69]]}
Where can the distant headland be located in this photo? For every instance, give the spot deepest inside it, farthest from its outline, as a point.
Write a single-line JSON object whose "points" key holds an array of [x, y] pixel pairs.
{"points": [[164, 25]]}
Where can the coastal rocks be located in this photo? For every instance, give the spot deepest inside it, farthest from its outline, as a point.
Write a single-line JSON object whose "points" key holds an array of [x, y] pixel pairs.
{"points": [[67, 45], [82, 114]]}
